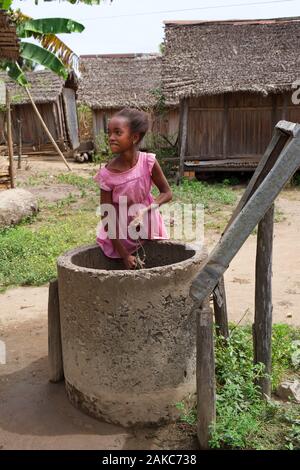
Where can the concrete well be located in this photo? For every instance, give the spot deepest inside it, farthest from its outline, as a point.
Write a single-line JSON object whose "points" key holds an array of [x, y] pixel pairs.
{"points": [[128, 337]]}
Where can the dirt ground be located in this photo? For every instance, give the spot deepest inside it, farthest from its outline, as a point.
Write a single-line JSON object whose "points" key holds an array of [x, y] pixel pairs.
{"points": [[35, 414]]}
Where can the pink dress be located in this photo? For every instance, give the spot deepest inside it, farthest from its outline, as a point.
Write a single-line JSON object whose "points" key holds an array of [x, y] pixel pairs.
{"points": [[134, 187]]}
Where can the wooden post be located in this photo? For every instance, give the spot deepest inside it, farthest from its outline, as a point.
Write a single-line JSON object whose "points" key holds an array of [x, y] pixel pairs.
{"points": [[55, 361], [284, 107], [20, 143], [206, 386], [262, 328], [10, 141], [220, 309], [274, 111], [46, 129], [184, 111], [225, 126]]}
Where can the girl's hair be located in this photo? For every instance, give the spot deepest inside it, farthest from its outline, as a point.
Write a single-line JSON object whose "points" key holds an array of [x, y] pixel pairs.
{"points": [[138, 120]]}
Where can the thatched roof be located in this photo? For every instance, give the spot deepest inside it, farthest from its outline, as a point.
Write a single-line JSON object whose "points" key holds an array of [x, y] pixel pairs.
{"points": [[9, 48], [114, 81], [227, 56], [45, 87]]}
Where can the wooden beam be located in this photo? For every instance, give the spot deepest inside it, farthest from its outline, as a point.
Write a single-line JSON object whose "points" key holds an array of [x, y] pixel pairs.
{"points": [[10, 141], [262, 328], [55, 360], [278, 141], [220, 309], [206, 382], [286, 163], [184, 112]]}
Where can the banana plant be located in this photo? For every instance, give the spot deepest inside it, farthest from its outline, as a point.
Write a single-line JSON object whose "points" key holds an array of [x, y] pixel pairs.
{"points": [[52, 53]]}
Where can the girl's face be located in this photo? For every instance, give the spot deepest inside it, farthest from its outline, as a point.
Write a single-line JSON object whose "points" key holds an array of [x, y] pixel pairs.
{"points": [[121, 138]]}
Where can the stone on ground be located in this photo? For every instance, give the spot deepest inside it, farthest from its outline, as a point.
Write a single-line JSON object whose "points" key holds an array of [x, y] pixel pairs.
{"points": [[15, 205]]}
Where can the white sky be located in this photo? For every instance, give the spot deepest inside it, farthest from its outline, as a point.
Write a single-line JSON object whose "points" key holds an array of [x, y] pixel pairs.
{"points": [[133, 26]]}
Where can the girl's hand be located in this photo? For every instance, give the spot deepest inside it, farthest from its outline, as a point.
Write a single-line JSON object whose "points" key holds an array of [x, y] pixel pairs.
{"points": [[130, 261]]}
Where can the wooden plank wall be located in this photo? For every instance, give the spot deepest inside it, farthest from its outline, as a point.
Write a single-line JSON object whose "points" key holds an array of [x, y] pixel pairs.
{"points": [[32, 131], [235, 124], [71, 117], [167, 124]]}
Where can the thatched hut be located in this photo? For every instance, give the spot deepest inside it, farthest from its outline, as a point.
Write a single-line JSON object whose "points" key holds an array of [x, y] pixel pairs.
{"points": [[111, 82], [56, 102], [234, 80]]}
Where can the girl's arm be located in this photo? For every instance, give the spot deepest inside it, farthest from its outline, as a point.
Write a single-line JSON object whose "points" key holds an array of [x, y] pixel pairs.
{"points": [[165, 192], [162, 184], [128, 259]]}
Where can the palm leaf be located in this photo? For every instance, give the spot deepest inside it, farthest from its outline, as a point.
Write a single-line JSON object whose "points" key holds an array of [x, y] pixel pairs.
{"points": [[49, 41], [47, 26], [43, 57]]}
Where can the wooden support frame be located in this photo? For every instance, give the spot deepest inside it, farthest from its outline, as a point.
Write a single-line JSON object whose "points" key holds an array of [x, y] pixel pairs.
{"points": [[279, 163], [55, 359], [262, 327], [220, 309], [206, 387]]}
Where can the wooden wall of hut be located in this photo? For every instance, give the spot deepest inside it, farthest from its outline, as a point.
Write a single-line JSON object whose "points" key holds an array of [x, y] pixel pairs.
{"points": [[33, 134], [166, 124], [235, 125]]}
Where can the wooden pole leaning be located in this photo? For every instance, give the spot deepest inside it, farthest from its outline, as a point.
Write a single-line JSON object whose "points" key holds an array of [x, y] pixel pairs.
{"points": [[46, 129]]}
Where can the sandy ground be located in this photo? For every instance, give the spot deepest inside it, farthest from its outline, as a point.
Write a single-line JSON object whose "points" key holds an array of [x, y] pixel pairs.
{"points": [[240, 276], [35, 414]]}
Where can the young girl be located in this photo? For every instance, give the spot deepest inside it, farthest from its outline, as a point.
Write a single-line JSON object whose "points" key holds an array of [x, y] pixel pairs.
{"points": [[128, 177]]}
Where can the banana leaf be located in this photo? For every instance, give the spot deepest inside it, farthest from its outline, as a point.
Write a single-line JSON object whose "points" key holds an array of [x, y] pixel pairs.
{"points": [[5, 4], [14, 71], [45, 26], [43, 57]]}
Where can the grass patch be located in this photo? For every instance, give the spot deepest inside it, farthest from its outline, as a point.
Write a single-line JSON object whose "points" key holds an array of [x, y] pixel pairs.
{"points": [[28, 254], [36, 180], [244, 421], [201, 192], [79, 182]]}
